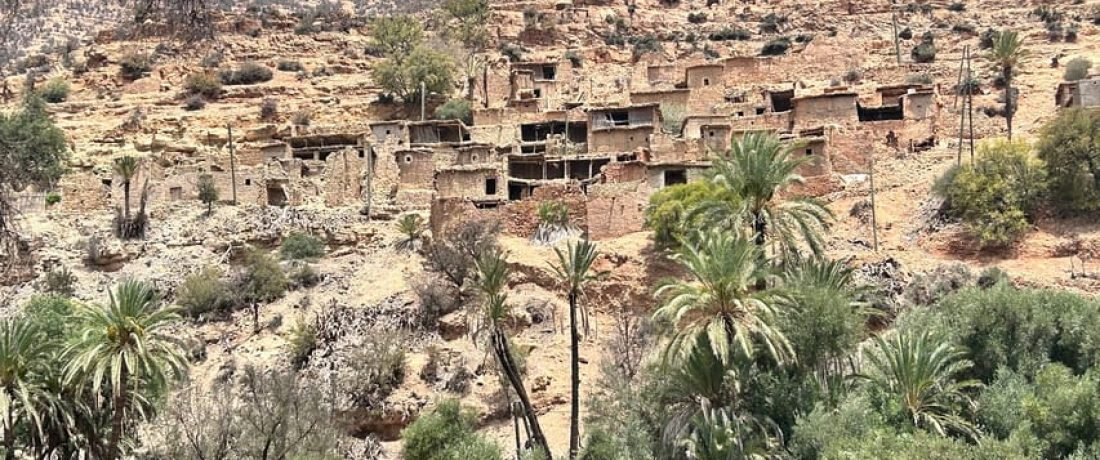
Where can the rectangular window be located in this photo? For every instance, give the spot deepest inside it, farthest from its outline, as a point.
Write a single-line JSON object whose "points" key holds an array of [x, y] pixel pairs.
{"points": [[490, 186], [675, 176]]}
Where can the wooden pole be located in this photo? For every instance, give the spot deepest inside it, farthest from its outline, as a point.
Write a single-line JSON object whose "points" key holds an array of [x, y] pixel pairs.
{"points": [[897, 46], [874, 219], [970, 104], [423, 95], [515, 422], [232, 164]]}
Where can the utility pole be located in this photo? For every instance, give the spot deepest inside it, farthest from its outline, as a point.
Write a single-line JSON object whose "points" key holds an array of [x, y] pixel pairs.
{"points": [[232, 164], [897, 46], [874, 220], [964, 86], [423, 94]]}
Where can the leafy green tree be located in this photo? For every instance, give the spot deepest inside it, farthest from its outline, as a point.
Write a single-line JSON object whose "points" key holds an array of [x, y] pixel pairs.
{"points": [[751, 178], [720, 302], [1070, 147], [492, 269], [574, 270], [920, 373], [997, 194], [471, 17], [1077, 69], [396, 36], [34, 153], [208, 193], [124, 347], [455, 109], [1007, 52], [824, 321], [262, 280], [299, 246], [403, 77]]}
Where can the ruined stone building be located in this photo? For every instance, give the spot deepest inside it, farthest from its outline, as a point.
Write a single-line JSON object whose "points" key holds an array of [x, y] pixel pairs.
{"points": [[601, 140]]}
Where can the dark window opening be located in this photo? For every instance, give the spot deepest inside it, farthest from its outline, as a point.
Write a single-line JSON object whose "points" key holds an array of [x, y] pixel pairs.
{"points": [[176, 193], [519, 190], [675, 176], [759, 110], [619, 118], [532, 149], [387, 132], [525, 170], [706, 82], [809, 152], [362, 154], [106, 182], [740, 114], [276, 196], [248, 182], [538, 93], [887, 112], [549, 72], [490, 186], [782, 100], [710, 133], [303, 155], [486, 204]]}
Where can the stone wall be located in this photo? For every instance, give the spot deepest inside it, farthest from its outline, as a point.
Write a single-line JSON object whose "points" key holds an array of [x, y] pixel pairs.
{"points": [[469, 182], [521, 218], [826, 109], [616, 209], [619, 139]]}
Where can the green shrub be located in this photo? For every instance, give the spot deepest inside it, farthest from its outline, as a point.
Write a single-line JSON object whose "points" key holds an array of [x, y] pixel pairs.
{"points": [[697, 18], [1068, 147], [396, 35], [668, 211], [929, 287], [776, 47], [513, 52], [1077, 69], [247, 74], [986, 39], [261, 279], [446, 433], [905, 33], [204, 293], [922, 78], [56, 90], [574, 58], [964, 28], [455, 109], [212, 60], [302, 341], [135, 65], [997, 195], [299, 246], [853, 75], [730, 33], [925, 52], [53, 198], [645, 44], [957, 7], [554, 213], [376, 368], [269, 109], [402, 76], [202, 84], [208, 192], [51, 313], [286, 65], [301, 118]]}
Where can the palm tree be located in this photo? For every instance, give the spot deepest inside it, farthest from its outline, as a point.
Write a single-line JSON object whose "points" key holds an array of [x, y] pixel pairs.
{"points": [[751, 177], [574, 265], [718, 433], [720, 302], [126, 167], [122, 345], [920, 372], [492, 278], [411, 227], [23, 357], [1007, 52]]}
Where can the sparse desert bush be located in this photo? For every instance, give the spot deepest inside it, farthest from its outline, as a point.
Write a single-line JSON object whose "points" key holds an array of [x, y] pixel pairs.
{"points": [[957, 7], [453, 255], [964, 28], [853, 75], [730, 33], [56, 90], [208, 192], [59, 281], [455, 109], [247, 74], [53, 198], [929, 287], [202, 84], [135, 65], [919, 79], [672, 118], [302, 341], [411, 227], [299, 246], [194, 102], [574, 58], [437, 298], [925, 51], [261, 279], [287, 65], [303, 275], [986, 39], [776, 47], [905, 33], [301, 118], [1077, 69], [697, 18], [375, 369], [204, 293], [269, 109], [513, 52], [212, 60]]}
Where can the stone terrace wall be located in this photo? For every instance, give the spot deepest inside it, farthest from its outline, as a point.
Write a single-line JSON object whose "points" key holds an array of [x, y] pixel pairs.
{"points": [[616, 209], [521, 218]]}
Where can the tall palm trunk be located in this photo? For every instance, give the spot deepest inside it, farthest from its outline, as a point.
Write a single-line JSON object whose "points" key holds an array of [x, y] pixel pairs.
{"points": [[126, 201], [500, 348], [9, 435], [1010, 103], [118, 416], [575, 407], [760, 227]]}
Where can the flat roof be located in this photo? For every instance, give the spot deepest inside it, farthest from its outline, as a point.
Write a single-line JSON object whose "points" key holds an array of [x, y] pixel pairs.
{"points": [[826, 95]]}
